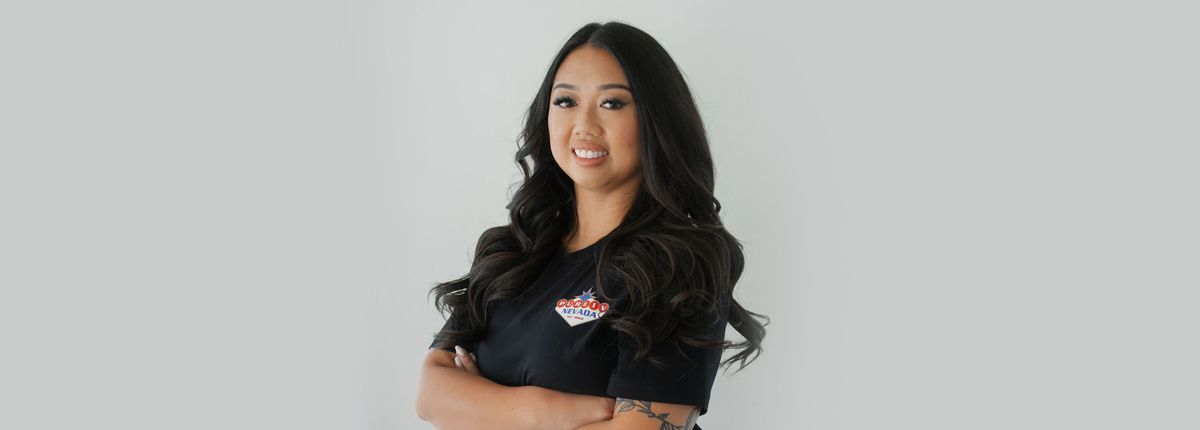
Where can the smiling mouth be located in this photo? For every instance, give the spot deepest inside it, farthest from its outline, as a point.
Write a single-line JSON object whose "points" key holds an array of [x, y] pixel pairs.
{"points": [[587, 154]]}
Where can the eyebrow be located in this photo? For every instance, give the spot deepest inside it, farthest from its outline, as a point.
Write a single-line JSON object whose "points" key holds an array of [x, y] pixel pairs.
{"points": [[601, 87]]}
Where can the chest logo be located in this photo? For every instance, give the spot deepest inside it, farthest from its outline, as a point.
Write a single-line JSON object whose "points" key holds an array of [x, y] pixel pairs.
{"points": [[581, 309]]}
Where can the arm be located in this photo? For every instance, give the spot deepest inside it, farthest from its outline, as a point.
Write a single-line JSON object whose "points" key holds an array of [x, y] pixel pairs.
{"points": [[451, 398], [631, 414]]}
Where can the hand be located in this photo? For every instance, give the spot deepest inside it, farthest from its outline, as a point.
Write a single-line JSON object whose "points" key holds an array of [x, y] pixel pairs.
{"points": [[465, 361], [596, 408]]}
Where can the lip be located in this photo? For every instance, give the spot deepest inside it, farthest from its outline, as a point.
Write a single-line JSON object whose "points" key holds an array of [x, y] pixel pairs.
{"points": [[589, 146], [588, 162]]}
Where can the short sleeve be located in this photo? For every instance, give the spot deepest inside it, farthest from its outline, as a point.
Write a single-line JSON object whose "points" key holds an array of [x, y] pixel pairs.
{"points": [[687, 378], [455, 322]]}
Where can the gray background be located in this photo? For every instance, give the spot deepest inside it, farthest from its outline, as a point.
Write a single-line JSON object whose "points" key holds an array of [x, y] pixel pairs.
{"points": [[960, 215]]}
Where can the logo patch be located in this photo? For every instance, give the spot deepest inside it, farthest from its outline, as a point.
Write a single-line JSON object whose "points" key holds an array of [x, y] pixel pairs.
{"points": [[583, 308]]}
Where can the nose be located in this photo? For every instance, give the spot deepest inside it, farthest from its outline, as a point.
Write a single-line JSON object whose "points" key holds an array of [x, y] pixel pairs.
{"points": [[580, 133], [586, 124]]}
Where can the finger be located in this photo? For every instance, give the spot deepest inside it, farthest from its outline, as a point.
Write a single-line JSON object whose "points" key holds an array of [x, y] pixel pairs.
{"points": [[468, 362]]}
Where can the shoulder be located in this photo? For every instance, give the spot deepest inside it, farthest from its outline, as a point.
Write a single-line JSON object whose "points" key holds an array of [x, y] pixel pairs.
{"points": [[664, 261], [680, 295]]}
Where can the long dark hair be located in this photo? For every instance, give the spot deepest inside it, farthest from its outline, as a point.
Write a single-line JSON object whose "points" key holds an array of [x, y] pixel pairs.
{"points": [[670, 250]]}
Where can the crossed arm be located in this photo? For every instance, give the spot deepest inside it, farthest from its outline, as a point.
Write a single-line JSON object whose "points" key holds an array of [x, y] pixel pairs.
{"points": [[455, 396], [640, 414]]}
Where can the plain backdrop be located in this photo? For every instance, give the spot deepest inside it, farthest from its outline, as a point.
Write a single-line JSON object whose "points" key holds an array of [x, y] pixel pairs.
{"points": [[959, 215]]}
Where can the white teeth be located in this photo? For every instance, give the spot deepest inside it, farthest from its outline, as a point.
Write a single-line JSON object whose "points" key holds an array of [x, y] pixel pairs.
{"points": [[581, 153]]}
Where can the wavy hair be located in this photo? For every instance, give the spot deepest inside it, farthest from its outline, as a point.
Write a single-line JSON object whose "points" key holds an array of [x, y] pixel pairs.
{"points": [[671, 250]]}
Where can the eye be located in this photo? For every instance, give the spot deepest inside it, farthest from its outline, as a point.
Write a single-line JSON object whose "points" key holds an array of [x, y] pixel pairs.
{"points": [[559, 101], [614, 103], [618, 104]]}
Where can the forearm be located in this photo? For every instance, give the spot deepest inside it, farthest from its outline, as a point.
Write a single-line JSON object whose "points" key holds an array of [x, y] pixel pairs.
{"points": [[599, 425], [451, 399]]}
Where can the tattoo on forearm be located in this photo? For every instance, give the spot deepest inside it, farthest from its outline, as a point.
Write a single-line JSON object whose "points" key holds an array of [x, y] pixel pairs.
{"points": [[626, 405]]}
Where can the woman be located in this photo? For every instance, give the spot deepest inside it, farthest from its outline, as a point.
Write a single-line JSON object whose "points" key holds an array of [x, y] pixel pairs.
{"points": [[603, 303]]}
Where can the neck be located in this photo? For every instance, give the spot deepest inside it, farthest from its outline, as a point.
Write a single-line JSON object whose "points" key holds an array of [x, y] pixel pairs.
{"points": [[599, 213]]}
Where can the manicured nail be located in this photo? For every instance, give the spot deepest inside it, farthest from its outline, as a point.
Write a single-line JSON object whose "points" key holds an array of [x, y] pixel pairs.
{"points": [[473, 357], [457, 362], [459, 350]]}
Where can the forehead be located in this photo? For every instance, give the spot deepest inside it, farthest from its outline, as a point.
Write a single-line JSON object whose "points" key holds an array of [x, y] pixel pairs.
{"points": [[588, 66]]}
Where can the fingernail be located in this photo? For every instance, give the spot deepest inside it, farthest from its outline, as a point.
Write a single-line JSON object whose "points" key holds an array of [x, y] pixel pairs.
{"points": [[459, 350], [473, 357], [457, 362]]}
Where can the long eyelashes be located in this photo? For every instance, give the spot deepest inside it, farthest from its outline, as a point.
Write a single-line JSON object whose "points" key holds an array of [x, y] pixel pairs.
{"points": [[617, 104]]}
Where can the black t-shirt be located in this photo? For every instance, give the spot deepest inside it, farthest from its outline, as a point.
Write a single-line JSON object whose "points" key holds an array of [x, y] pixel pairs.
{"points": [[554, 335]]}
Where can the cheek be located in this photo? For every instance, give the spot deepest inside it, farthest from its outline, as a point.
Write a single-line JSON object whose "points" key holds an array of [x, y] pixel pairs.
{"points": [[556, 136], [560, 131], [629, 139]]}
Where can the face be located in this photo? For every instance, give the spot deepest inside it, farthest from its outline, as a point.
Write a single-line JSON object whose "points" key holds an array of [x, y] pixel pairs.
{"points": [[592, 110]]}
